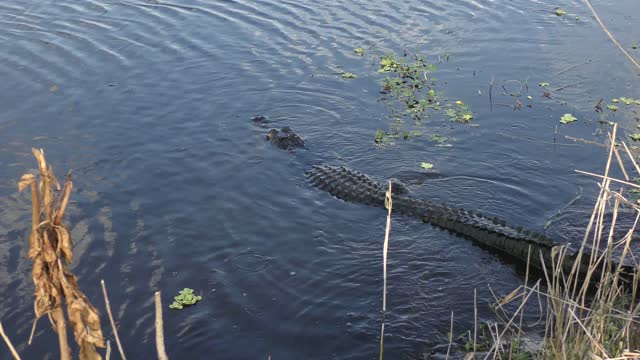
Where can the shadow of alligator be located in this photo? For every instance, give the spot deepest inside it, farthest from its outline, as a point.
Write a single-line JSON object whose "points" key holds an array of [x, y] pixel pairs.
{"points": [[356, 187]]}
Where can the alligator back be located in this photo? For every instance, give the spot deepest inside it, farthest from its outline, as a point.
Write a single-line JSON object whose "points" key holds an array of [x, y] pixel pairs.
{"points": [[354, 186]]}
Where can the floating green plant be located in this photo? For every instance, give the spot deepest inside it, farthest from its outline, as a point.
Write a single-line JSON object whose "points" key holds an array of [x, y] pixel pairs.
{"points": [[559, 12], [379, 136], [409, 93], [439, 138], [567, 118], [426, 165], [389, 63], [612, 107], [635, 137], [359, 51], [185, 298], [348, 75], [626, 101], [544, 84], [460, 112]]}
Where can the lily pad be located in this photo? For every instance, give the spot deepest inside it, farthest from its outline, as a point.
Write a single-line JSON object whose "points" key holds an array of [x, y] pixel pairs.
{"points": [[635, 137], [612, 107], [567, 118], [426, 166], [359, 51]]}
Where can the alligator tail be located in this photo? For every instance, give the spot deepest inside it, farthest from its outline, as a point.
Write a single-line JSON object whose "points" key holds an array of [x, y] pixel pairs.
{"points": [[525, 245]]}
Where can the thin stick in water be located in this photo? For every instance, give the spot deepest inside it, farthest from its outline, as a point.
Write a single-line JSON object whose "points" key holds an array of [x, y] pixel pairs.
{"points": [[113, 323], [607, 178], [450, 337], [6, 339], [162, 355], [633, 61], [571, 68], [33, 330], [490, 97], [475, 320], [388, 202]]}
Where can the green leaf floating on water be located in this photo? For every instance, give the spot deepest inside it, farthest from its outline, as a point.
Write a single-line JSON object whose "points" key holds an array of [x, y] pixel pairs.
{"points": [[567, 118], [559, 12], [359, 51], [612, 107], [626, 101], [635, 137], [426, 165], [185, 298], [379, 136], [544, 84], [348, 75]]}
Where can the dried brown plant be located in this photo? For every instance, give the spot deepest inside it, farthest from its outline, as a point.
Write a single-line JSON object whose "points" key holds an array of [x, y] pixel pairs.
{"points": [[51, 250]]}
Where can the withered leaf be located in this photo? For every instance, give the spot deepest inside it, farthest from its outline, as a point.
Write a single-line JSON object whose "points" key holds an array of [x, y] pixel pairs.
{"points": [[85, 321], [48, 251], [64, 243], [25, 181], [35, 245], [88, 352], [52, 177]]}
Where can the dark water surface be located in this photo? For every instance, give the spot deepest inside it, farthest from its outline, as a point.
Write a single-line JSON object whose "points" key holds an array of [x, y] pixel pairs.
{"points": [[149, 103]]}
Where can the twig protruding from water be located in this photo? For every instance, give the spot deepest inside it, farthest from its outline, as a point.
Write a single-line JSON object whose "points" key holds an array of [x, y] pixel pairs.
{"points": [[6, 340], [113, 323], [162, 355]]}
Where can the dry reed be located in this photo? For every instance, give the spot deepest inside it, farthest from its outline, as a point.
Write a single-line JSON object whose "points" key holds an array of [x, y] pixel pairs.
{"points": [[51, 251], [9, 344], [583, 320], [388, 203]]}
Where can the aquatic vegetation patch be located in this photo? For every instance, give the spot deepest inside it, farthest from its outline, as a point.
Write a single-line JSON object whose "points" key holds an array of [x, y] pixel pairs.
{"points": [[359, 51], [559, 12], [439, 138], [567, 118], [348, 75], [426, 165], [409, 91], [459, 113], [185, 297]]}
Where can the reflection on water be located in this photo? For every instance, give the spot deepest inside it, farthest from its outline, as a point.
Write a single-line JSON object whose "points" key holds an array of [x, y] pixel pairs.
{"points": [[149, 103]]}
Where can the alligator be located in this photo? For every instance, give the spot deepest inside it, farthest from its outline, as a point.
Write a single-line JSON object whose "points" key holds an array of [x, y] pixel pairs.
{"points": [[353, 186], [285, 139]]}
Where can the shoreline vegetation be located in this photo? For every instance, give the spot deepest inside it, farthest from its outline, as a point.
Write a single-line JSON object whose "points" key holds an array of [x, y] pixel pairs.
{"points": [[597, 317]]}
